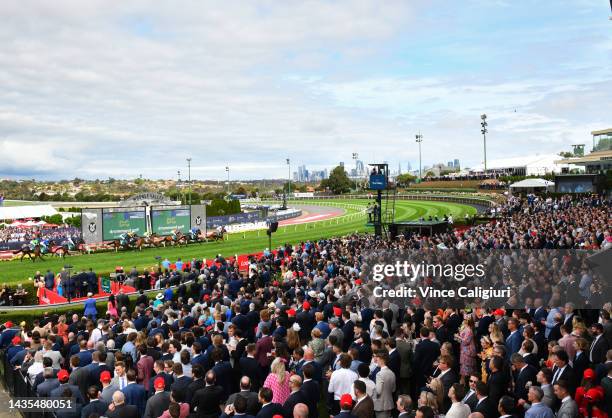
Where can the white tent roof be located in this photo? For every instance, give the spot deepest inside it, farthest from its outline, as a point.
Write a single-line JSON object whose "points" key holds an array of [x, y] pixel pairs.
{"points": [[529, 183], [20, 212], [544, 162]]}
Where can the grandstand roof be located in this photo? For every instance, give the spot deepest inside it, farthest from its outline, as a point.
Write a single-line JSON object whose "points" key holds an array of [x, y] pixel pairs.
{"points": [[531, 183], [544, 161], [22, 212]]}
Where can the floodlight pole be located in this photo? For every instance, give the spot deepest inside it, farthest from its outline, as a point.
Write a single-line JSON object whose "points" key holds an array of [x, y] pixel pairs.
{"points": [[484, 131], [189, 177], [355, 157], [228, 181], [419, 140]]}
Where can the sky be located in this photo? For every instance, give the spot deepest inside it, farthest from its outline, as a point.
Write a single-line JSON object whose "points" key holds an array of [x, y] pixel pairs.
{"points": [[99, 88]]}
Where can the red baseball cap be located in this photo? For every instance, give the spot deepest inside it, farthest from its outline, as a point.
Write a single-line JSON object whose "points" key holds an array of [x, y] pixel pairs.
{"points": [[16, 340], [358, 281], [277, 416], [499, 312], [346, 400], [589, 374], [291, 312], [338, 312], [159, 383], [63, 375], [306, 305], [105, 376], [8, 324]]}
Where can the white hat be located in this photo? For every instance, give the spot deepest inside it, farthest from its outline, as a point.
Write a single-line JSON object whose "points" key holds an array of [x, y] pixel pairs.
{"points": [[159, 296], [296, 327], [312, 294]]}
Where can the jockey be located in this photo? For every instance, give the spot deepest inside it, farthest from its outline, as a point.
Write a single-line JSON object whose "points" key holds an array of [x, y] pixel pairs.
{"points": [[123, 238], [194, 233], [44, 246], [34, 243], [70, 243]]}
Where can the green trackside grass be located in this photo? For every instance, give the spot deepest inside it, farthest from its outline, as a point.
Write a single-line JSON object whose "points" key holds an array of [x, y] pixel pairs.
{"points": [[353, 220]]}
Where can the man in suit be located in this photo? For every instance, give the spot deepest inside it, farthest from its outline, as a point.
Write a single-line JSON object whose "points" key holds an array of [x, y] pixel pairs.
{"points": [[264, 348], [95, 405], [159, 402], [523, 373], [364, 405], [158, 368], [49, 384], [309, 358], [250, 367], [79, 376], [505, 407], [63, 376], [425, 353], [119, 409], [569, 315], [108, 388], [223, 372], [599, 346], [120, 379], [346, 403], [568, 408], [268, 408], [563, 371], [197, 371], [404, 349], [440, 329], [470, 398], [537, 409], [515, 339], [348, 330], [497, 381], [135, 394], [447, 376], [311, 391], [385, 386], [122, 300], [295, 397], [251, 397], [484, 405], [238, 409], [181, 382], [394, 358], [206, 402]]}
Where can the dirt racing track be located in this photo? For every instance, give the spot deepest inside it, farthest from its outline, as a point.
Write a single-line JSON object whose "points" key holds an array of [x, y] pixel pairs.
{"points": [[313, 213]]}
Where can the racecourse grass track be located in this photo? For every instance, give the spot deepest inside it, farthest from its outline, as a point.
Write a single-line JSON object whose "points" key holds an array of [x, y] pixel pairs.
{"points": [[353, 220]]}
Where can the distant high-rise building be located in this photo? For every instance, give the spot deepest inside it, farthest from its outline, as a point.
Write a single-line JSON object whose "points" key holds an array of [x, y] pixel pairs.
{"points": [[360, 168], [456, 164], [408, 166], [341, 164], [449, 164], [399, 168]]}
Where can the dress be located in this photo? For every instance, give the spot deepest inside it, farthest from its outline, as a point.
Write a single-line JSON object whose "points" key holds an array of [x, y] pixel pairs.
{"points": [[467, 358], [111, 309], [488, 353], [281, 391]]}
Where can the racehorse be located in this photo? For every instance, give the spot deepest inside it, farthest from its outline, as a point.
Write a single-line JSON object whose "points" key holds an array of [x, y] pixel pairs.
{"points": [[33, 253], [180, 238], [216, 235], [65, 247]]}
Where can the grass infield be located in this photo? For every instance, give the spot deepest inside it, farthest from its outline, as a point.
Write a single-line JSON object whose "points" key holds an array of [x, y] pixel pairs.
{"points": [[352, 221]]}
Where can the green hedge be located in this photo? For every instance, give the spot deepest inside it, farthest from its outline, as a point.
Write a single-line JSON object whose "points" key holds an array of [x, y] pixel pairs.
{"points": [[442, 189]]}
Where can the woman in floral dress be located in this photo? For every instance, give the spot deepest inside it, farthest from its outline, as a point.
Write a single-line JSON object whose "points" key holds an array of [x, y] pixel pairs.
{"points": [[467, 357]]}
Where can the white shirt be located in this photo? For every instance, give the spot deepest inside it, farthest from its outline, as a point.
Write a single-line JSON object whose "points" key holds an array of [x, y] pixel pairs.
{"points": [[341, 382]]}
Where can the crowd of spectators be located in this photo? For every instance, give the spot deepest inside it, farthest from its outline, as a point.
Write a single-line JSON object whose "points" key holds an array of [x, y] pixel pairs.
{"points": [[298, 336], [10, 234]]}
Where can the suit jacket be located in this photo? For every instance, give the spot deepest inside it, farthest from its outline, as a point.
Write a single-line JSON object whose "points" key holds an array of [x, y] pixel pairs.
{"points": [[405, 353], [250, 367], [264, 346], [364, 409], [206, 401], [193, 387], [471, 400], [395, 363], [123, 411], [157, 404], [76, 393], [487, 408], [498, 386], [567, 375], [97, 406], [598, 350], [145, 371], [293, 399], [180, 385], [312, 394], [223, 371], [532, 359], [385, 386], [568, 409], [425, 353], [107, 393], [528, 374], [252, 399], [269, 410], [345, 414], [80, 378], [44, 389], [513, 343], [136, 395]]}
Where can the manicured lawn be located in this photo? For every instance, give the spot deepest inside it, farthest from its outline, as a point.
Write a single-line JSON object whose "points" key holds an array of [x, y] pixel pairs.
{"points": [[239, 243]]}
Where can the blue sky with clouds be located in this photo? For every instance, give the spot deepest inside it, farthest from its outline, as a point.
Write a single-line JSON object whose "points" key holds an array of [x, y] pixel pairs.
{"points": [[97, 89]]}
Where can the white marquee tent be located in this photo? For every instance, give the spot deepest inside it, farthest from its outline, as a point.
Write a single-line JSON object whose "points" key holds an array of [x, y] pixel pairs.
{"points": [[22, 212]]}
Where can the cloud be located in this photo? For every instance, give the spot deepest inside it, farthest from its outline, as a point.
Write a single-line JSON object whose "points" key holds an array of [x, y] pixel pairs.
{"points": [[97, 90]]}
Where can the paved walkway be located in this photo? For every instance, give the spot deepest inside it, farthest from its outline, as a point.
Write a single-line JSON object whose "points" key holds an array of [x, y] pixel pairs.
{"points": [[4, 401]]}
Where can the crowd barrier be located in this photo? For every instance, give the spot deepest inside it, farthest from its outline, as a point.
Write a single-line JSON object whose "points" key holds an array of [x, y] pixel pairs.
{"points": [[18, 386]]}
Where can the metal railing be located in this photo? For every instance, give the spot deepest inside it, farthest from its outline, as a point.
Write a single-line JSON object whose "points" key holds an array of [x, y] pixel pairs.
{"points": [[18, 386]]}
